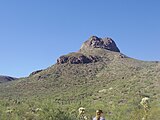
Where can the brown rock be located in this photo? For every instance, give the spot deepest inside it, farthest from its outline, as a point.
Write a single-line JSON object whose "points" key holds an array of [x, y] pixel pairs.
{"points": [[62, 59], [74, 59], [95, 42]]}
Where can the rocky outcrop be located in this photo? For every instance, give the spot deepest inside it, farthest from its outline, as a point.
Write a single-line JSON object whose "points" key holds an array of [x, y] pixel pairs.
{"points": [[35, 72], [77, 59], [62, 59], [95, 42]]}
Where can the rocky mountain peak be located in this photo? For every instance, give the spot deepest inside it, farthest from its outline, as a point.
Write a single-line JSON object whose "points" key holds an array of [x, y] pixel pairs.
{"points": [[80, 57], [96, 42]]}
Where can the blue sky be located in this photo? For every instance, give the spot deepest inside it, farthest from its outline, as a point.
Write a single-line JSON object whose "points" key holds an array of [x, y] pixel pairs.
{"points": [[34, 33]]}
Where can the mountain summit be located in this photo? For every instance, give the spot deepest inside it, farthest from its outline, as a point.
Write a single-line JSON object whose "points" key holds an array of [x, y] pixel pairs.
{"points": [[96, 42], [84, 55]]}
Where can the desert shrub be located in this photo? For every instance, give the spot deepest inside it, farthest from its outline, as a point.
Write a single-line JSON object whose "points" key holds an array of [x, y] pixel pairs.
{"points": [[46, 109]]}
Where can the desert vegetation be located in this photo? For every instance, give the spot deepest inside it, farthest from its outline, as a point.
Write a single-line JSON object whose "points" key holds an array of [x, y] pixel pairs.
{"points": [[47, 109], [124, 88]]}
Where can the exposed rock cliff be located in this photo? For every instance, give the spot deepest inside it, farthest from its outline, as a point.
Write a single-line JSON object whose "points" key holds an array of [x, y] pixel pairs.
{"points": [[96, 42]]}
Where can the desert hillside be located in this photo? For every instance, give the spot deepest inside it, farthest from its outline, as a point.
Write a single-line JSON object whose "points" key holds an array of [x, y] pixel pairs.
{"points": [[98, 76]]}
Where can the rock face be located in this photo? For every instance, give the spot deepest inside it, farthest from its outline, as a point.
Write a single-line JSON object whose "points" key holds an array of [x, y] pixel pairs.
{"points": [[95, 42], [80, 59]]}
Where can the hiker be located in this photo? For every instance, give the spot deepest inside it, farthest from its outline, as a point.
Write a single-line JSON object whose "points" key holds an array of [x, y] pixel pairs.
{"points": [[82, 115], [99, 115]]}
